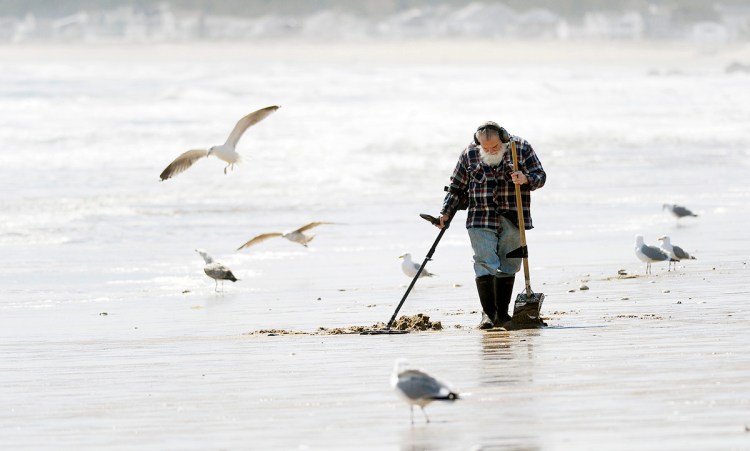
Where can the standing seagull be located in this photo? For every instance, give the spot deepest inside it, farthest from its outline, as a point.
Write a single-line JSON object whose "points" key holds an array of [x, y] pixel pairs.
{"points": [[419, 388], [295, 235], [675, 252], [678, 211], [648, 254], [226, 151], [216, 270], [410, 268]]}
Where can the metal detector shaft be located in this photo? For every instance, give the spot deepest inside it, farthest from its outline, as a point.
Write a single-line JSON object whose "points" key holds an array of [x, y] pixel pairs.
{"points": [[427, 258]]}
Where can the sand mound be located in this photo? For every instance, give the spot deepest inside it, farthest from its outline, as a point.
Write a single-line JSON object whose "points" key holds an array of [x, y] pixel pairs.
{"points": [[418, 322]]}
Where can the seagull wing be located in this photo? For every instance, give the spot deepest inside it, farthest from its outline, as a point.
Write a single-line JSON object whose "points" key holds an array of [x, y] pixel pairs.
{"points": [[681, 254], [415, 266], [310, 226], [654, 253], [219, 272], [259, 238], [682, 211], [248, 121], [416, 385], [182, 162]]}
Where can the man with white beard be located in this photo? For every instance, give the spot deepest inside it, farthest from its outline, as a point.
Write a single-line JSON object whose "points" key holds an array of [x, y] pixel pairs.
{"points": [[484, 175]]}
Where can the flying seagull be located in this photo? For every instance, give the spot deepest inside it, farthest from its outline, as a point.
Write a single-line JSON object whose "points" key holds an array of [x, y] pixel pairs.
{"points": [[410, 268], [216, 270], [648, 254], [677, 210], [296, 236], [226, 152], [419, 388], [675, 252]]}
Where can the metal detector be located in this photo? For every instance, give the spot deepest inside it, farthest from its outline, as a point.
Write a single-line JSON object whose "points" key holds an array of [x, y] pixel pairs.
{"points": [[428, 257]]}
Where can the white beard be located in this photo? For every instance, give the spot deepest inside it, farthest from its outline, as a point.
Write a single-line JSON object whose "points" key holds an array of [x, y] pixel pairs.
{"points": [[491, 159]]}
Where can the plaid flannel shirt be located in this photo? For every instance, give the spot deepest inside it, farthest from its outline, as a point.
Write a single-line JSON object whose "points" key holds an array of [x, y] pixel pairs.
{"points": [[490, 191]]}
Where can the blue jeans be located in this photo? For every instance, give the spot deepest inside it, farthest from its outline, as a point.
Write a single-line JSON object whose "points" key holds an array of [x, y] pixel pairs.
{"points": [[490, 247]]}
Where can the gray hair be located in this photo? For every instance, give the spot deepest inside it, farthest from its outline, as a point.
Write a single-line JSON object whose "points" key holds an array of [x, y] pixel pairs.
{"points": [[487, 131]]}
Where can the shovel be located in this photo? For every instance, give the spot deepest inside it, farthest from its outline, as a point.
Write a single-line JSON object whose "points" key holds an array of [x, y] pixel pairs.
{"points": [[528, 305]]}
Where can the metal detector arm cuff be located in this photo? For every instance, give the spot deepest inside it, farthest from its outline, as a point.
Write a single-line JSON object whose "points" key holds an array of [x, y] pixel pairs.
{"points": [[455, 200], [458, 189]]}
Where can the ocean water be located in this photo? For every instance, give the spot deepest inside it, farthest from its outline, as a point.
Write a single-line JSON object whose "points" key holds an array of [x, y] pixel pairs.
{"points": [[87, 228], [353, 142]]}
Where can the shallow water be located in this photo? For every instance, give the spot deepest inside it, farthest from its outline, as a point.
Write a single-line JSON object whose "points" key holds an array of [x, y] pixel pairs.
{"points": [[87, 229]]}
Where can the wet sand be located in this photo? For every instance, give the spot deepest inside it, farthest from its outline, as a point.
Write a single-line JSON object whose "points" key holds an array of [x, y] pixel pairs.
{"points": [[628, 363]]}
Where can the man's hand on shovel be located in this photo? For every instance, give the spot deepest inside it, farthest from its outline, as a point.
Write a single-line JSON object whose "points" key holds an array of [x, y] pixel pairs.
{"points": [[519, 178]]}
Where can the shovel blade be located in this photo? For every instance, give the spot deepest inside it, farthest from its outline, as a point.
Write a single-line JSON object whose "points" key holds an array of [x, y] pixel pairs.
{"points": [[527, 311], [521, 252]]}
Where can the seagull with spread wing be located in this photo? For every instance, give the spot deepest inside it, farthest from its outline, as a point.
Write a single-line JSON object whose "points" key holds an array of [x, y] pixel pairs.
{"points": [[226, 152], [296, 236]]}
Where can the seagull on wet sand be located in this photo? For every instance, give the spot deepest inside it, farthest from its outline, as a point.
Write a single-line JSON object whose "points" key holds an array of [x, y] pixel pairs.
{"points": [[296, 236], [226, 152], [419, 388], [648, 254], [216, 270], [410, 268], [678, 211], [676, 253]]}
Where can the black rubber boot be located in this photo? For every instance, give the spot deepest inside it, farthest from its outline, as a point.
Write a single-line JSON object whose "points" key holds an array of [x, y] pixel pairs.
{"points": [[486, 290], [503, 293]]}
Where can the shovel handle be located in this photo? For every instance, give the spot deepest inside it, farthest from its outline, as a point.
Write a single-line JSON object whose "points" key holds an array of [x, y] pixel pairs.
{"points": [[521, 224]]}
